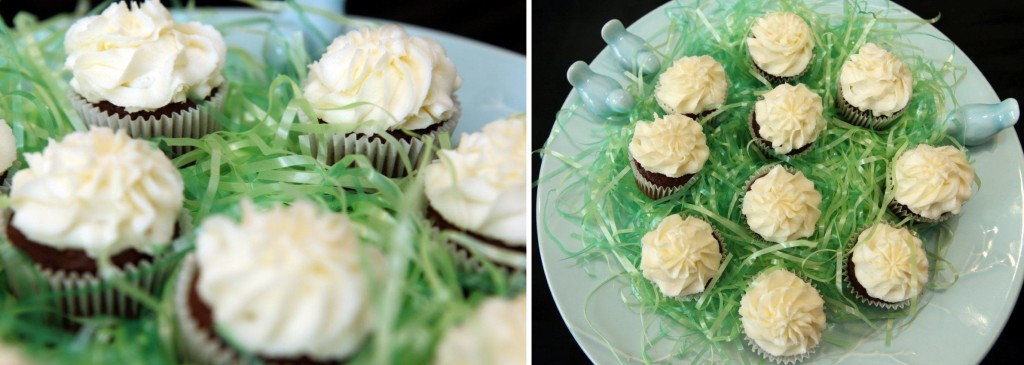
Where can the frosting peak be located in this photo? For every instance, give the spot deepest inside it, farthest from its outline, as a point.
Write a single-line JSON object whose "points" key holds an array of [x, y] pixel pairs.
{"points": [[890, 263], [496, 334], [874, 80], [782, 314], [932, 181], [673, 145], [781, 206], [781, 44], [680, 256], [692, 85], [789, 117]]}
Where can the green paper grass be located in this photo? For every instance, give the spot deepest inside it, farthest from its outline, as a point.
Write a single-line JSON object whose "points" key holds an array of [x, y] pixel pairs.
{"points": [[848, 167]]}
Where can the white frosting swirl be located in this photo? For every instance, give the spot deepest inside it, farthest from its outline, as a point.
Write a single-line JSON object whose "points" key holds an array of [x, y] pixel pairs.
{"points": [[782, 314], [781, 44], [692, 85], [890, 263], [932, 181], [781, 206], [8, 146], [496, 334], [680, 256], [100, 192], [673, 145], [288, 282], [789, 117], [136, 57], [874, 80], [481, 185], [406, 82]]}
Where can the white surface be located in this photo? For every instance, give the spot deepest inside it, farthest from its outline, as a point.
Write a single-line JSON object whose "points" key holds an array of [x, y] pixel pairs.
{"points": [[958, 326]]}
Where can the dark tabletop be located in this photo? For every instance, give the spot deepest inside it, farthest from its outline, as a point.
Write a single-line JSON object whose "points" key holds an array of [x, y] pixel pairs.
{"points": [[991, 33]]}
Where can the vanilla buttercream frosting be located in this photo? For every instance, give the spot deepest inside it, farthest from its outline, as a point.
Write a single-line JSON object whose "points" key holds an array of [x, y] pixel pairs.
{"points": [[98, 191], [135, 56], [680, 255], [377, 80], [890, 263], [781, 44], [789, 117], [876, 81], [8, 146], [692, 85], [782, 314], [932, 181], [288, 282], [495, 334], [673, 145], [481, 185], [782, 206]]}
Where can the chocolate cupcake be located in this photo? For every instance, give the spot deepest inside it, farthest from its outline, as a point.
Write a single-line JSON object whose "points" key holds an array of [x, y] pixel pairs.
{"points": [[781, 47], [887, 266], [930, 184], [780, 205], [495, 334], [480, 189], [782, 316], [384, 94], [667, 154], [693, 86], [681, 256], [161, 80], [786, 121], [874, 88]]}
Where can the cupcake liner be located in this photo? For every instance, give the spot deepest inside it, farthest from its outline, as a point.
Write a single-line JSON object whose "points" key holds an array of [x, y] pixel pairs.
{"points": [[863, 118], [653, 190], [766, 149], [384, 156], [195, 344], [512, 262], [191, 123], [791, 359], [779, 80], [848, 281]]}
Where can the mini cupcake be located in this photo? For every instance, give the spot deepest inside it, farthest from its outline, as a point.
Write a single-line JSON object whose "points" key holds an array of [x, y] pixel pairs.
{"points": [[888, 267], [781, 46], [786, 121], [285, 286], [667, 154], [381, 82], [693, 86], [93, 197], [782, 316], [496, 334], [480, 189], [930, 183], [134, 68], [780, 205], [874, 88], [681, 256]]}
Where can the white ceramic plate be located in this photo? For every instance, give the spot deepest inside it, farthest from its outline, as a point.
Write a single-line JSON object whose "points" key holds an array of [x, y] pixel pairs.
{"points": [[958, 326]]}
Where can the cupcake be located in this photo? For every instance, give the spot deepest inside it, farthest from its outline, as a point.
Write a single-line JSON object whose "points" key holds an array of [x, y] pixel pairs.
{"points": [[495, 334], [887, 267], [8, 151], [781, 46], [667, 154], [681, 256], [96, 201], [874, 88], [930, 183], [787, 120], [285, 286], [134, 68], [693, 86], [480, 189], [780, 205], [782, 316], [373, 83]]}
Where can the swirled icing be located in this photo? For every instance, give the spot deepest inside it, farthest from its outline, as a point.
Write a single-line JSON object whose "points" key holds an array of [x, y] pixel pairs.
{"points": [[680, 256], [781, 206], [496, 334], [781, 44], [692, 85], [789, 117], [782, 314], [890, 263], [932, 181], [874, 80], [673, 145]]}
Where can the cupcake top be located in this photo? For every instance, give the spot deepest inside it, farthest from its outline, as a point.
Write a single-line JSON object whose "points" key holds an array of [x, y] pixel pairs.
{"points": [[496, 334], [673, 145], [876, 81], [100, 192], [288, 282], [890, 263], [692, 85], [782, 314], [781, 206], [8, 146], [397, 81], [136, 57], [781, 44], [680, 255], [481, 185], [789, 117], [932, 181]]}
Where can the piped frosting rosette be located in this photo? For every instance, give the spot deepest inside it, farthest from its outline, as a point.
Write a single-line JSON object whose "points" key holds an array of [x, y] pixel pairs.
{"points": [[782, 316], [781, 46], [874, 87], [887, 266], [781, 205], [681, 256], [495, 334], [930, 184]]}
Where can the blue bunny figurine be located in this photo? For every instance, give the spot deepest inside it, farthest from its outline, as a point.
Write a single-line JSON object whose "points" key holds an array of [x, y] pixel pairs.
{"points": [[633, 53], [601, 94], [975, 124]]}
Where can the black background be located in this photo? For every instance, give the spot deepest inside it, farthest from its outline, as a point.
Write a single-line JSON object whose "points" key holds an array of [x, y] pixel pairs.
{"points": [[991, 33]]}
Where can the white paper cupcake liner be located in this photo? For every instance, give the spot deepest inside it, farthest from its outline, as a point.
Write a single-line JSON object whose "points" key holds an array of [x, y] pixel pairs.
{"points": [[791, 359], [765, 147], [653, 190], [862, 118], [384, 156], [511, 261], [195, 344], [190, 123]]}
